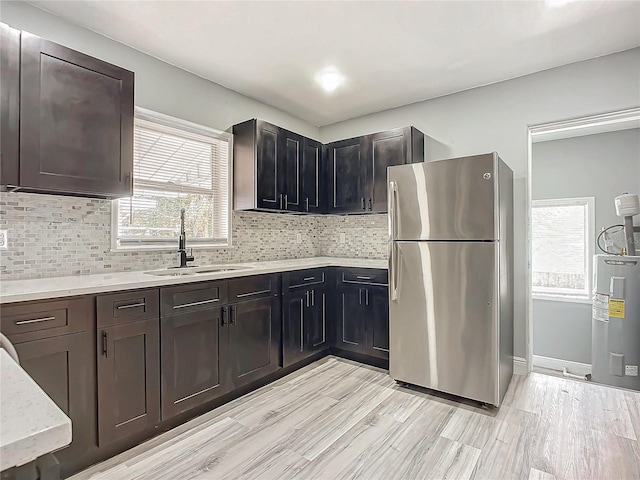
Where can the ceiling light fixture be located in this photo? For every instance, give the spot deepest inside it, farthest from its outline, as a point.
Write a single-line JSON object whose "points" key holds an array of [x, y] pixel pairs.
{"points": [[329, 79]]}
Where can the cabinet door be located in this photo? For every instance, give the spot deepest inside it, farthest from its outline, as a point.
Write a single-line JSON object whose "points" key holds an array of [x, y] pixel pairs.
{"points": [[64, 367], [346, 175], [384, 149], [128, 380], [254, 339], [270, 176], [293, 334], [76, 121], [311, 171], [9, 104], [377, 321], [292, 154], [351, 333], [317, 334], [192, 373]]}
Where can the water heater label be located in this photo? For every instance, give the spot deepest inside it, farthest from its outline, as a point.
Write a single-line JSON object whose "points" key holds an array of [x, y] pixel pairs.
{"points": [[616, 308], [631, 370], [601, 307]]}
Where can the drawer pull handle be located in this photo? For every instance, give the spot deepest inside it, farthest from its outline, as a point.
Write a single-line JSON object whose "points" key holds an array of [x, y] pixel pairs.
{"points": [[306, 279], [35, 320], [240, 295], [193, 304], [133, 305], [359, 277]]}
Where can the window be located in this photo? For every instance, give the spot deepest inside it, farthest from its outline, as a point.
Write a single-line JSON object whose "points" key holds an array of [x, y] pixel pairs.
{"points": [[562, 248], [176, 164]]}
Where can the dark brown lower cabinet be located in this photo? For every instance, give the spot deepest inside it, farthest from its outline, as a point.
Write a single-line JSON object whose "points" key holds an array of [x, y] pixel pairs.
{"points": [[254, 339], [128, 380], [64, 367], [305, 324], [363, 320], [193, 353], [377, 321], [350, 331], [293, 315], [316, 323]]}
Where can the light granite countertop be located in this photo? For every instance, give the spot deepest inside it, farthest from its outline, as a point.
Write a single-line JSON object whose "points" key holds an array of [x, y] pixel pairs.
{"points": [[32, 425], [57, 287]]}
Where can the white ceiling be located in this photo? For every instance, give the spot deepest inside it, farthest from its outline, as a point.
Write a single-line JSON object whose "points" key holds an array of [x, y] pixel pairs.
{"points": [[393, 53]]}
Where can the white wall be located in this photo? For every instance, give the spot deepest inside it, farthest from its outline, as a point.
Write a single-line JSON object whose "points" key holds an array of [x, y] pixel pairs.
{"points": [[600, 166], [158, 85], [496, 117]]}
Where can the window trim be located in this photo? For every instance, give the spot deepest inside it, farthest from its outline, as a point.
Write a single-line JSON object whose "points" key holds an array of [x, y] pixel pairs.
{"points": [[148, 245], [589, 202]]}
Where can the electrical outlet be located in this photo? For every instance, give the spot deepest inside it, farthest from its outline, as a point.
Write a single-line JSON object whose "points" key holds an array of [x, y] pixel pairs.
{"points": [[343, 237], [299, 238], [4, 240]]}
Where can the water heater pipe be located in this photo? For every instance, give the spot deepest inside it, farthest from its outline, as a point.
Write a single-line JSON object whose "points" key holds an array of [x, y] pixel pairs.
{"points": [[628, 205]]}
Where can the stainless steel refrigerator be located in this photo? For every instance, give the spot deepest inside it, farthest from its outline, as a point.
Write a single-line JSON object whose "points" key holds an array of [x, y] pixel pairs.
{"points": [[451, 276]]}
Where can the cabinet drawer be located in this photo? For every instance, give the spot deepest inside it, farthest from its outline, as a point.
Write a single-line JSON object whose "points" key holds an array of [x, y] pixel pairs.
{"points": [[192, 297], [248, 288], [303, 278], [30, 321], [363, 276], [127, 307]]}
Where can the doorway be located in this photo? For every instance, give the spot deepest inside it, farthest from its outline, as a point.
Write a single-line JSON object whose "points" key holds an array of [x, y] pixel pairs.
{"points": [[576, 168]]}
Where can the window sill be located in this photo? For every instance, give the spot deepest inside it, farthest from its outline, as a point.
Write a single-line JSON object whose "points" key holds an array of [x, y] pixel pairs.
{"points": [[166, 248], [560, 298]]}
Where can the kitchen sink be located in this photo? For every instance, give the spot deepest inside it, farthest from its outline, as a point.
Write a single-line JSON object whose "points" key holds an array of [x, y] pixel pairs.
{"points": [[190, 271]]}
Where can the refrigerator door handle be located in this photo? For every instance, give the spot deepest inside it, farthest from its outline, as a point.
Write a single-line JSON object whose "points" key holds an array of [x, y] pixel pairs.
{"points": [[393, 268], [391, 200], [393, 271]]}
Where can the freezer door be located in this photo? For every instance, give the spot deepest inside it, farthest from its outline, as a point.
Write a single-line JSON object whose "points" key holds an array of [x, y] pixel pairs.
{"points": [[443, 317], [451, 199]]}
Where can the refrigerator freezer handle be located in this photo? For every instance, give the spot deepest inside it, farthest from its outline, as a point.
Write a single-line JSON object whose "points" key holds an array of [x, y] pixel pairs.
{"points": [[391, 206], [393, 253]]}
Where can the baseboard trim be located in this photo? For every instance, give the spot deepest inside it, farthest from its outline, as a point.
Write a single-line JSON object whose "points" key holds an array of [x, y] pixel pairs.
{"points": [[558, 364], [520, 366]]}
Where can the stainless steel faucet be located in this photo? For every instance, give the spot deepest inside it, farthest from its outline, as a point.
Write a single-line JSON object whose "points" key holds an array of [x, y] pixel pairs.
{"points": [[182, 244]]}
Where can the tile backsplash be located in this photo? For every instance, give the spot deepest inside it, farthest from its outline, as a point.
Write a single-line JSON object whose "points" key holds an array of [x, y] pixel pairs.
{"points": [[52, 236], [365, 236]]}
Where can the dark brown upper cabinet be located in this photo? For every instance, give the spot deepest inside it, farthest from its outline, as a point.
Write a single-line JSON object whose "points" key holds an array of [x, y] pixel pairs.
{"points": [[386, 149], [311, 174], [75, 121], [275, 169], [279, 170], [345, 178], [356, 173], [9, 103]]}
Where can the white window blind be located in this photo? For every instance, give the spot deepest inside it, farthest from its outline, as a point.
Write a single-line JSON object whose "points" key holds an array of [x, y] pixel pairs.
{"points": [[562, 247], [176, 165]]}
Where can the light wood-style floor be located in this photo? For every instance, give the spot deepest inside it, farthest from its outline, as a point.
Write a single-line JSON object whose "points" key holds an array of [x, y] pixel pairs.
{"points": [[336, 419]]}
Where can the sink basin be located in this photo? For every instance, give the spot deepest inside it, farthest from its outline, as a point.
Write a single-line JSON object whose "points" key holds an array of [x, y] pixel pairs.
{"points": [[173, 273], [221, 268], [190, 271]]}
